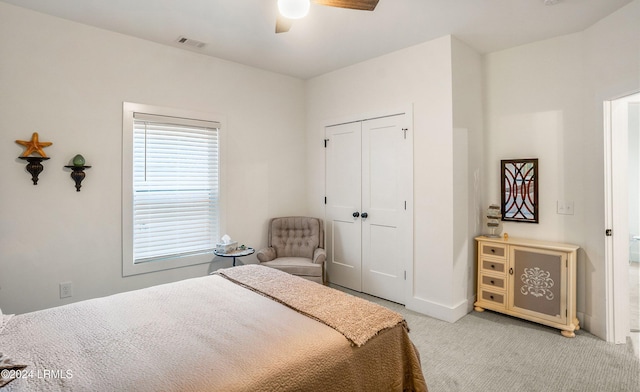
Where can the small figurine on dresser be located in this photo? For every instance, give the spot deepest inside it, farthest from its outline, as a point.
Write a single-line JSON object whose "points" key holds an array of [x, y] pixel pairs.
{"points": [[494, 221]]}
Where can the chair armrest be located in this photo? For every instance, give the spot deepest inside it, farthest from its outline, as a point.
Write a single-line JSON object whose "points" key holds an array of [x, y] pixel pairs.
{"points": [[266, 254], [319, 256]]}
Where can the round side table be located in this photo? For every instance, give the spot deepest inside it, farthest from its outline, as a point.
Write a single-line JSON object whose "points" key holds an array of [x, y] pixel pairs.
{"points": [[236, 253]]}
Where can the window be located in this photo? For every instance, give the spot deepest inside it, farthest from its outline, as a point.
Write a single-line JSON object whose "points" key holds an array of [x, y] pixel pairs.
{"points": [[171, 187]]}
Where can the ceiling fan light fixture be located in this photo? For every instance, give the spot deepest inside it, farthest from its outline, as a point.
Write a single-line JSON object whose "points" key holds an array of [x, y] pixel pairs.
{"points": [[294, 9]]}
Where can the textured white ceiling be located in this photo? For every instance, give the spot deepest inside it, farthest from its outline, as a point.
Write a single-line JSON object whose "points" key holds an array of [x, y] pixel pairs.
{"points": [[329, 38]]}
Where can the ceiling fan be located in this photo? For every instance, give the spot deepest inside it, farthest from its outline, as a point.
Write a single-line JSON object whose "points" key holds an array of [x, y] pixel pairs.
{"points": [[289, 10]]}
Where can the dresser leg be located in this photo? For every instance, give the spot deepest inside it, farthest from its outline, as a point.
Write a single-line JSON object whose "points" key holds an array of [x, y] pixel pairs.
{"points": [[577, 323], [568, 334], [478, 309]]}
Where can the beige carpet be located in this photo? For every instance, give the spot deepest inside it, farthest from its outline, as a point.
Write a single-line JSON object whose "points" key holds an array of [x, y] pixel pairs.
{"points": [[493, 352]]}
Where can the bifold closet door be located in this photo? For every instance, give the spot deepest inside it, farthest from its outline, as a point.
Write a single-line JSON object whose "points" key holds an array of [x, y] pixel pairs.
{"points": [[386, 164], [368, 188], [343, 185]]}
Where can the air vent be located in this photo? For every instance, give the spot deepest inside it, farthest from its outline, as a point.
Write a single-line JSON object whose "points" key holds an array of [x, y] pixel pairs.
{"points": [[190, 42]]}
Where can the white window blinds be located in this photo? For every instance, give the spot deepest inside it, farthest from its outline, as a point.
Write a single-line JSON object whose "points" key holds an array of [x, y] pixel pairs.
{"points": [[175, 187]]}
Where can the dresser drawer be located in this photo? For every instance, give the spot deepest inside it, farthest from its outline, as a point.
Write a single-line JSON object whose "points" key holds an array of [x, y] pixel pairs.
{"points": [[489, 296], [491, 281], [492, 266], [493, 250]]}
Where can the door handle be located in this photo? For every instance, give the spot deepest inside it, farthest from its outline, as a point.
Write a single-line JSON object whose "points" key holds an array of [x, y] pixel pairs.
{"points": [[364, 215], [356, 214]]}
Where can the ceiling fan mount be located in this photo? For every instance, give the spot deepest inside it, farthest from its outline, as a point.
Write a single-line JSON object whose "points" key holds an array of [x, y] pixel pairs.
{"points": [[289, 10]]}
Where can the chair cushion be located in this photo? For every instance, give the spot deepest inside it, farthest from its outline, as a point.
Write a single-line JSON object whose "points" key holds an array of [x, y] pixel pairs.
{"points": [[295, 236], [296, 266]]}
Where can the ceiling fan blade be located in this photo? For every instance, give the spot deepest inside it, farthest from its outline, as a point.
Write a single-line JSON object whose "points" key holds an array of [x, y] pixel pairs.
{"points": [[283, 24], [365, 5]]}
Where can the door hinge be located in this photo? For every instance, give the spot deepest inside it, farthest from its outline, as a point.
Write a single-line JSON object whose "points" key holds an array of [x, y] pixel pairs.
{"points": [[404, 131], [405, 275], [608, 232], [325, 142], [325, 200], [405, 205]]}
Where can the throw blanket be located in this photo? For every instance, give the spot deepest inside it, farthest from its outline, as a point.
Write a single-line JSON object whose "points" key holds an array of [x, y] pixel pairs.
{"points": [[357, 319], [8, 368]]}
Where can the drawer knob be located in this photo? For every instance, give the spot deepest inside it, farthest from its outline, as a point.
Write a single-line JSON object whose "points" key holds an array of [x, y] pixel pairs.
{"points": [[491, 296], [493, 250], [492, 282], [493, 266]]}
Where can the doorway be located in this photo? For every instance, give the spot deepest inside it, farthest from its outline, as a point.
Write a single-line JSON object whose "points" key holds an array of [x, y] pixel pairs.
{"points": [[622, 173]]}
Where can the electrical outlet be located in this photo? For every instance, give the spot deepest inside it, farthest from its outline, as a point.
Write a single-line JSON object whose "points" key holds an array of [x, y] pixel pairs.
{"points": [[66, 290]]}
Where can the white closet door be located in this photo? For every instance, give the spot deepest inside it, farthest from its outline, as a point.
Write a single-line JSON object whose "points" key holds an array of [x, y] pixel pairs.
{"points": [[343, 182], [369, 187], [386, 170]]}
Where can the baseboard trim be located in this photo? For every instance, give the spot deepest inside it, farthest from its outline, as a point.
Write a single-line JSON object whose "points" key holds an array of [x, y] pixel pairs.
{"points": [[438, 311]]}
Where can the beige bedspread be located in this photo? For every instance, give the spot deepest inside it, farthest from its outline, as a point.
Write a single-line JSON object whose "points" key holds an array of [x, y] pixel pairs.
{"points": [[202, 334]]}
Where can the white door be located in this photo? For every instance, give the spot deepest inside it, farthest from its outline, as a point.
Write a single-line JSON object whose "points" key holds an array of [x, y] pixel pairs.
{"points": [[343, 229], [386, 161], [368, 213], [617, 181]]}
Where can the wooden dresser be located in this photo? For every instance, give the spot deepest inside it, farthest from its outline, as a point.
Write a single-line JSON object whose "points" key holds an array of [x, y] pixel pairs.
{"points": [[529, 279]]}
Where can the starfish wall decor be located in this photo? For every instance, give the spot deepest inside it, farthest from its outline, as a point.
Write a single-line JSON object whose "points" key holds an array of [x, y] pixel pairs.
{"points": [[34, 146]]}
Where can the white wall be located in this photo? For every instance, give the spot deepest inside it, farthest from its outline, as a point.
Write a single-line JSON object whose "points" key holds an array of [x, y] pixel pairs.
{"points": [[534, 110], [467, 114], [544, 100], [67, 81], [420, 75]]}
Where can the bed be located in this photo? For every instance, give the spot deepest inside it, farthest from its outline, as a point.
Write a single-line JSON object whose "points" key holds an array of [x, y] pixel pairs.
{"points": [[246, 328]]}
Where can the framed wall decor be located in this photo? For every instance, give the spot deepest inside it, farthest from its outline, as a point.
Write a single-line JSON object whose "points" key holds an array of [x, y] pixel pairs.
{"points": [[520, 190]]}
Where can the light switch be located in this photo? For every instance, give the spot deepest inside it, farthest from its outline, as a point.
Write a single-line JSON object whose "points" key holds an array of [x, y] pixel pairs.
{"points": [[565, 207]]}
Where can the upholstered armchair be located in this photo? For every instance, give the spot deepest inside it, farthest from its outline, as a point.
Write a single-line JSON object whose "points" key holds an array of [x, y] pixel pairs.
{"points": [[296, 246]]}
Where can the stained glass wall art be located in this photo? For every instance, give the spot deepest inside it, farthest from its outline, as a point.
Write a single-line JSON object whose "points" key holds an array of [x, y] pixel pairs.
{"points": [[520, 190]]}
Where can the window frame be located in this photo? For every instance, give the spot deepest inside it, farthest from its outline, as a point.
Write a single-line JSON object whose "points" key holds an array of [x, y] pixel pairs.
{"points": [[128, 266]]}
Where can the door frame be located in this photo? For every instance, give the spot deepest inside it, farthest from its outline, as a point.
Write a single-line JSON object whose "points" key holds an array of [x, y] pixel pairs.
{"points": [[616, 219], [406, 110]]}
